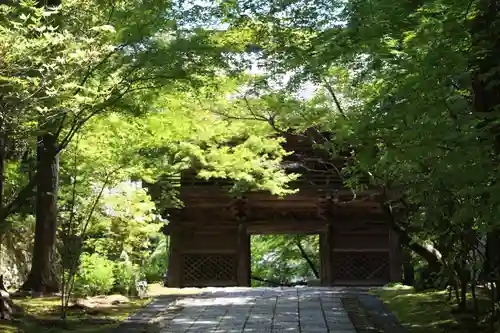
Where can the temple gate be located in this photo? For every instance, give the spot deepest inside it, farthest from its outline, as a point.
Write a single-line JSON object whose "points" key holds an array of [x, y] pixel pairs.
{"points": [[210, 236]]}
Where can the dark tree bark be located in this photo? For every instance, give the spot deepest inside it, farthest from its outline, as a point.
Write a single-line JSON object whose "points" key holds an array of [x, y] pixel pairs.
{"points": [[406, 240], [408, 269], [486, 98], [492, 264], [433, 261], [42, 277]]}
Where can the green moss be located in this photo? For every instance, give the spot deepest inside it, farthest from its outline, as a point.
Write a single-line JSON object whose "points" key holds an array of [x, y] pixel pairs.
{"points": [[423, 312], [43, 315], [7, 328]]}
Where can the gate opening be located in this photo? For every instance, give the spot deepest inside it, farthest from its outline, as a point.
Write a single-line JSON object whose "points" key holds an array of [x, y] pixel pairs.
{"points": [[285, 260]]}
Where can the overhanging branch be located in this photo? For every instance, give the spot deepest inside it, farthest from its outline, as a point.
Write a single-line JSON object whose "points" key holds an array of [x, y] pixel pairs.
{"points": [[335, 99]]}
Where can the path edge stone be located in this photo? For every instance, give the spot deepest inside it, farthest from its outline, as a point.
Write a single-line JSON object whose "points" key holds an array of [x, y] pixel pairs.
{"points": [[139, 320], [383, 320]]}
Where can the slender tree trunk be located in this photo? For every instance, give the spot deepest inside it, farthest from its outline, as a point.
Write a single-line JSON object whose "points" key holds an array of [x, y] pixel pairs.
{"points": [[42, 277], [306, 257], [492, 265], [408, 269], [464, 282], [5, 303]]}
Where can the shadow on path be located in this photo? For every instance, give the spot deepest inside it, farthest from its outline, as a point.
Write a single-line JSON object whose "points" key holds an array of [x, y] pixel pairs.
{"points": [[242, 310]]}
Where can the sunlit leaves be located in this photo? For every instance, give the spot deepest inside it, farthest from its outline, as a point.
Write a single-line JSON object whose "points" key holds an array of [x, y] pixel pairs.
{"points": [[277, 258]]}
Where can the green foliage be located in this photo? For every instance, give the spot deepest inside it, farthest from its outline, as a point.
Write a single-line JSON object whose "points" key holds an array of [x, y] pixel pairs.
{"points": [[412, 90], [157, 263], [126, 275], [137, 92], [126, 224], [95, 275], [277, 258]]}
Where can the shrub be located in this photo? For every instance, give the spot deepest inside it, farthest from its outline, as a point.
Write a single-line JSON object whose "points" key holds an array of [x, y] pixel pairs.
{"points": [[95, 275], [126, 276], [154, 273], [156, 265]]}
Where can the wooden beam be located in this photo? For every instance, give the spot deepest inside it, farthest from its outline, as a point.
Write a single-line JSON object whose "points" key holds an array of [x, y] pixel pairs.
{"points": [[281, 224], [209, 251], [309, 193], [344, 225], [271, 227], [360, 250], [203, 226]]}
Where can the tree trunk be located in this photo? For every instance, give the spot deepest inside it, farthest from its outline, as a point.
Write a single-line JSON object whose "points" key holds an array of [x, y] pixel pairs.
{"points": [[486, 97], [306, 257], [42, 277], [408, 269], [433, 261], [492, 264]]}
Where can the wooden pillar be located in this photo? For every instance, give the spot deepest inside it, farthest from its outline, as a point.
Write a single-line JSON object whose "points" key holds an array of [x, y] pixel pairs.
{"points": [[175, 259], [323, 259], [243, 271], [395, 257], [326, 249]]}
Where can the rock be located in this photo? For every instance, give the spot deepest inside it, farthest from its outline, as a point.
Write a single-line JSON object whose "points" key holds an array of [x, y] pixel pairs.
{"points": [[113, 299], [101, 301], [7, 307]]}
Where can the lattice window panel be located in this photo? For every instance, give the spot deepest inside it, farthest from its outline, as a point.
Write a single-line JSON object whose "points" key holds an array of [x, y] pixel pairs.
{"points": [[199, 268], [358, 266]]}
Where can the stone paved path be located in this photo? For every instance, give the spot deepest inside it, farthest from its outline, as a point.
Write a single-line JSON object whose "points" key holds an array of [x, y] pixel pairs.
{"points": [[259, 310]]}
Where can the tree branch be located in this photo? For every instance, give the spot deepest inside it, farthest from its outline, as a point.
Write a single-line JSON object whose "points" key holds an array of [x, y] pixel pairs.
{"points": [[335, 99], [430, 255], [306, 257]]}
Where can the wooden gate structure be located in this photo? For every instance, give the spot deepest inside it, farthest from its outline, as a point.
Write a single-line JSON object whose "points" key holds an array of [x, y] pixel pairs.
{"points": [[210, 235]]}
